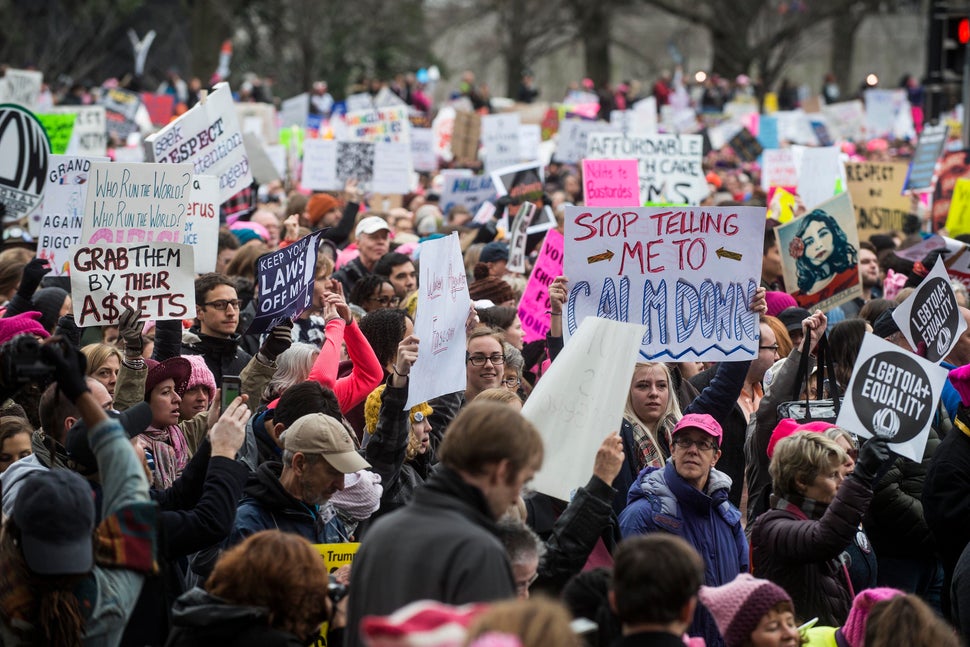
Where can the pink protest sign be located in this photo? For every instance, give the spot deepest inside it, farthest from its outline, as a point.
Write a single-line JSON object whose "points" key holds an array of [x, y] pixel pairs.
{"points": [[611, 183], [535, 299]]}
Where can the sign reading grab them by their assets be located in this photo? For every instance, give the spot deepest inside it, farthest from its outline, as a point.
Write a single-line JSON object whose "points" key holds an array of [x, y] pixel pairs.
{"points": [[208, 137]]}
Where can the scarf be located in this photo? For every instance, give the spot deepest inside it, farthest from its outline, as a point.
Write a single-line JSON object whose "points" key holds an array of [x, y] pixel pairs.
{"points": [[647, 451], [170, 451]]}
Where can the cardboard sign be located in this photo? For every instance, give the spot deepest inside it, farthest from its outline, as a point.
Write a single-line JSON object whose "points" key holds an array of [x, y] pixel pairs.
{"points": [[820, 258], [21, 87], [136, 203], [89, 136], [876, 189], [465, 189], [207, 137], [535, 299], [955, 165], [24, 158], [611, 183], [892, 394], [63, 211], [295, 110], [930, 317], [669, 165], [389, 124], [579, 399], [423, 157], [572, 140], [161, 107], [778, 168], [157, 279], [500, 140], [686, 273], [121, 109], [465, 135], [284, 280], [202, 222], [443, 305], [928, 151], [746, 145], [519, 236], [59, 128]]}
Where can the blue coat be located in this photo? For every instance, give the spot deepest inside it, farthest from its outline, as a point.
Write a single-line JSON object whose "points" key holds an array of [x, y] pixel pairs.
{"points": [[661, 501]]}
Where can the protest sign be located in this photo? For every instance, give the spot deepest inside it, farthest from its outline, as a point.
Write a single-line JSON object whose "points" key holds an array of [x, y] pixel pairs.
{"points": [[892, 394], [888, 114], [768, 132], [59, 128], [359, 102], [465, 189], [284, 280], [746, 145], [669, 165], [355, 160], [295, 110], [534, 304], [89, 135], [687, 273], [530, 136], [579, 399], [820, 259], [819, 173], [519, 236], [392, 168], [876, 189], [202, 222], [794, 127], [320, 165], [919, 251], [930, 318], [958, 218], [522, 183], [954, 165], [121, 109], [249, 114], [572, 140], [778, 168], [24, 153], [846, 120], [334, 557], [821, 129], [642, 118], [442, 129], [388, 124], [423, 157], [500, 140], [263, 168], [207, 137], [611, 183], [928, 151], [135, 203], [443, 306], [21, 87], [781, 205], [161, 107], [63, 211], [466, 132], [157, 279]]}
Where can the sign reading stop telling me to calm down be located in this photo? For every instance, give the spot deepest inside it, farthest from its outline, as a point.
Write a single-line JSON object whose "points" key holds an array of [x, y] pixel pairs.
{"points": [[930, 318], [687, 273], [893, 395]]}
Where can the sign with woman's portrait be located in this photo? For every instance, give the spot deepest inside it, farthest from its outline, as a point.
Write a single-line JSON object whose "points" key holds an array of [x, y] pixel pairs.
{"points": [[820, 255]]}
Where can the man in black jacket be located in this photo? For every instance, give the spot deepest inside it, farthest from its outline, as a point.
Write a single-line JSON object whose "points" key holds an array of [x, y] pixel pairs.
{"points": [[217, 311]]}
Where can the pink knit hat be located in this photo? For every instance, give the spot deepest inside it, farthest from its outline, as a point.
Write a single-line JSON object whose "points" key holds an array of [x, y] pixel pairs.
{"points": [[23, 324], [201, 375], [738, 606], [854, 629], [786, 427], [959, 378], [361, 496], [424, 623], [778, 301]]}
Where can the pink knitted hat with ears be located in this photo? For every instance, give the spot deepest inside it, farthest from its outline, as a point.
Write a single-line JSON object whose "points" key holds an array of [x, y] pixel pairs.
{"points": [[738, 606], [24, 323], [960, 379], [854, 629], [201, 375]]}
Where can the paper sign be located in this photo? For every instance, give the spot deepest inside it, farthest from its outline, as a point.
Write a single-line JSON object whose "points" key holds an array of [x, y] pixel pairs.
{"points": [[464, 189], [611, 183], [121, 108], [89, 136], [59, 128], [746, 146], [955, 165], [157, 279], [846, 120], [876, 189], [820, 256], [819, 173], [768, 132], [892, 394], [392, 168], [522, 182], [295, 110], [24, 158], [686, 273], [535, 299], [442, 129], [207, 137], [669, 165], [389, 124], [423, 158], [928, 151], [930, 318], [202, 222], [519, 237], [530, 136], [21, 87], [500, 140], [63, 212], [781, 205], [284, 279], [160, 107], [135, 203], [572, 140], [355, 160], [778, 168], [443, 306], [580, 399], [320, 165], [266, 115], [958, 219]]}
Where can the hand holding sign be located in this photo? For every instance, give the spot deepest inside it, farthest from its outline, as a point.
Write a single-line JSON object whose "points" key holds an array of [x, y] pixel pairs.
{"points": [[407, 355], [609, 459], [873, 458]]}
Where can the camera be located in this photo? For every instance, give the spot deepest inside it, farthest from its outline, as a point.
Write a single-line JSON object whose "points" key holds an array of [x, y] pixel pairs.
{"points": [[21, 363], [336, 591]]}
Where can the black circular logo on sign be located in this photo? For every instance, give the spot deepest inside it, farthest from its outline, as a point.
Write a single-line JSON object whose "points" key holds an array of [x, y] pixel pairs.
{"points": [[892, 396], [935, 317]]}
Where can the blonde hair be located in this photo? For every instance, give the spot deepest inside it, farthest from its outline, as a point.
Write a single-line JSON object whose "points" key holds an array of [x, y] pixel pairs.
{"points": [[97, 354], [537, 622], [672, 413], [499, 394], [799, 458]]}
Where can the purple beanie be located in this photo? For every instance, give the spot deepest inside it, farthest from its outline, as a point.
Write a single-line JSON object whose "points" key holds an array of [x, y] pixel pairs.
{"points": [[738, 606]]}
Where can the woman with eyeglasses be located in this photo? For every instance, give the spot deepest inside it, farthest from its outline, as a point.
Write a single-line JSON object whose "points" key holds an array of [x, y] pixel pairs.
{"points": [[374, 292], [688, 497]]}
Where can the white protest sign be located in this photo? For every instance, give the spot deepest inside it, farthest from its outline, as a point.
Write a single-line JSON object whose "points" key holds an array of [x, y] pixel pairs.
{"points": [[930, 315], [443, 305], [892, 394], [530, 136], [157, 279], [392, 168], [284, 279], [358, 102], [423, 157], [320, 165], [294, 111], [688, 274], [572, 139], [388, 124], [464, 189], [638, 120], [202, 222], [670, 165], [847, 119], [794, 127], [89, 138], [63, 212], [519, 237], [135, 203], [442, 128], [385, 98], [819, 173], [21, 87], [778, 168], [265, 114], [580, 399], [500, 139], [24, 159], [209, 138]]}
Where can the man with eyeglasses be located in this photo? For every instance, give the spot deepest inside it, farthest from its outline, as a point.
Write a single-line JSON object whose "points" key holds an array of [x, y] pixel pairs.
{"points": [[217, 313], [689, 498]]}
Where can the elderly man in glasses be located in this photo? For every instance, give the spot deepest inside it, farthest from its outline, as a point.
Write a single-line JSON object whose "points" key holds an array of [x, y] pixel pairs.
{"points": [[214, 337], [689, 498]]}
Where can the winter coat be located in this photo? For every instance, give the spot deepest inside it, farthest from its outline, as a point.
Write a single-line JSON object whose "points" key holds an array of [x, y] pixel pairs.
{"points": [[222, 356], [803, 555], [662, 501], [201, 620]]}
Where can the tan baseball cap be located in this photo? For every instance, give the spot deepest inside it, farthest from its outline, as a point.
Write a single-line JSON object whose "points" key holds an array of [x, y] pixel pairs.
{"points": [[318, 433]]}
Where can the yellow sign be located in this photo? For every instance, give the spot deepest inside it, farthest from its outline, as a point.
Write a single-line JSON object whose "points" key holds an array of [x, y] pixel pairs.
{"points": [[876, 189], [334, 556], [958, 219], [782, 206]]}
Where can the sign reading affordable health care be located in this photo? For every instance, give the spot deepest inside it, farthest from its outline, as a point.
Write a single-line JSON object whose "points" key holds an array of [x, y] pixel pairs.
{"points": [[209, 138], [687, 273]]}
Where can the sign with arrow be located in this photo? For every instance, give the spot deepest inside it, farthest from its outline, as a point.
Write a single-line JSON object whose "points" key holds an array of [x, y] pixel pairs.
{"points": [[686, 273]]}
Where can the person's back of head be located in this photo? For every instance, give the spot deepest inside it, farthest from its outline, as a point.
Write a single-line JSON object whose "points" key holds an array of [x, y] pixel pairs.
{"points": [[54, 409], [907, 620], [536, 623], [303, 399], [643, 595], [485, 433]]}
